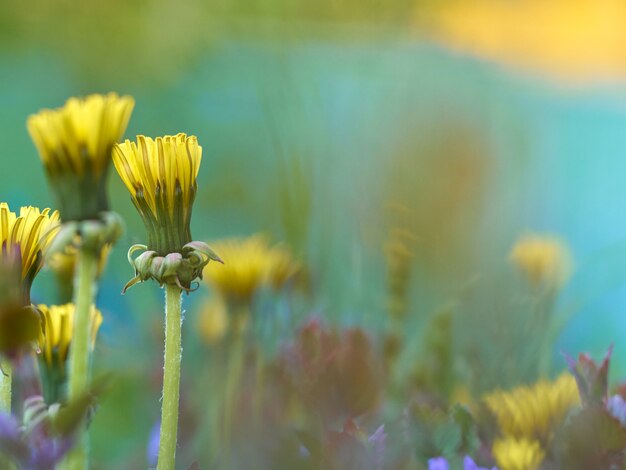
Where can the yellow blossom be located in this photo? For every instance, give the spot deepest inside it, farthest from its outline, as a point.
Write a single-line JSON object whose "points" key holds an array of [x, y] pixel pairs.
{"points": [[56, 338], [75, 144], [572, 40], [534, 412], [249, 264], [213, 320], [25, 239], [282, 267], [544, 260], [517, 454], [63, 263], [160, 175]]}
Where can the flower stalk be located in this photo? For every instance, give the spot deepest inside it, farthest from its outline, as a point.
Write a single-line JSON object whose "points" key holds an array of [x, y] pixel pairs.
{"points": [[75, 144], [160, 175], [171, 378], [79, 360], [5, 386]]}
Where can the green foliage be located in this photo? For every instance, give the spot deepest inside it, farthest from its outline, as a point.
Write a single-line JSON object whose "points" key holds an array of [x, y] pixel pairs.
{"points": [[436, 433]]}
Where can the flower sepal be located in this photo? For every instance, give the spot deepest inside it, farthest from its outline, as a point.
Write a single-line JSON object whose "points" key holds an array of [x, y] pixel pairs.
{"points": [[92, 234], [181, 269]]}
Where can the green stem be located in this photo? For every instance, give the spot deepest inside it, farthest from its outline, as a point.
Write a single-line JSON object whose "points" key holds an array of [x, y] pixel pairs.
{"points": [[5, 386], [235, 367], [84, 295], [171, 378], [233, 379]]}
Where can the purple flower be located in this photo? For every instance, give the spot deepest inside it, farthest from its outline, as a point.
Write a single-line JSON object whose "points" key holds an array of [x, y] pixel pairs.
{"points": [[469, 464], [32, 446], [438, 463], [152, 450], [616, 406]]}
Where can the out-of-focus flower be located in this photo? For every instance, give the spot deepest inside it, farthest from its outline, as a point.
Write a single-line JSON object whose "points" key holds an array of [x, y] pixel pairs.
{"points": [[440, 463], [560, 37], [517, 454], [160, 175], [25, 240], [63, 264], [75, 144], [534, 412], [249, 264], [469, 464], [282, 267], [616, 406], [54, 342], [213, 320], [152, 449], [33, 444], [57, 335], [46, 433], [545, 261], [592, 378]]}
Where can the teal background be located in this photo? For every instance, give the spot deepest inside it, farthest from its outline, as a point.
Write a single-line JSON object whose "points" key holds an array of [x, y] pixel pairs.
{"points": [[551, 160]]}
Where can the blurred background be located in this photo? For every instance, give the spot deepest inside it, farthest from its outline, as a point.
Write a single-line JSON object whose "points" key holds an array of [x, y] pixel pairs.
{"points": [[398, 150]]}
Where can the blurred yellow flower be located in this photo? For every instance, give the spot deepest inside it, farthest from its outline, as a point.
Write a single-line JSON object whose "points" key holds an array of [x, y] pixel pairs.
{"points": [[79, 137], [534, 412], [545, 261], [56, 338], [569, 39], [75, 144], [282, 267], [213, 320], [160, 175], [249, 264], [25, 238], [63, 263], [517, 454]]}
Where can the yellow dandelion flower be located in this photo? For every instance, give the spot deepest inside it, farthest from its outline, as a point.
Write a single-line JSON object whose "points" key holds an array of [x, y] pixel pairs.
{"points": [[56, 338], [545, 261], [213, 320], [249, 264], [25, 239], [534, 412], [575, 41], [517, 454], [63, 263], [160, 175], [75, 144], [282, 267]]}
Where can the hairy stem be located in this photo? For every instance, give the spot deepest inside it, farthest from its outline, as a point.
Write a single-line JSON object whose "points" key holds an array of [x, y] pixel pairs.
{"points": [[5, 385], [171, 378], [84, 295]]}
